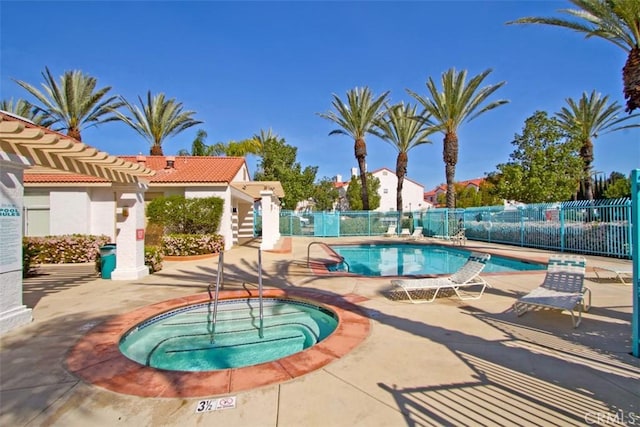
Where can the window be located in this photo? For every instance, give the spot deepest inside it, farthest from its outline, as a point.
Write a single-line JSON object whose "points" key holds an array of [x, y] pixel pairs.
{"points": [[385, 191]]}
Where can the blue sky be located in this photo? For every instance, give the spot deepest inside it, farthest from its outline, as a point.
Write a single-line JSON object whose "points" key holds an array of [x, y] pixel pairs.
{"points": [[246, 66]]}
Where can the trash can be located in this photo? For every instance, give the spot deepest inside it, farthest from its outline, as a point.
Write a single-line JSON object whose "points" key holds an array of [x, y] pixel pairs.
{"points": [[107, 260]]}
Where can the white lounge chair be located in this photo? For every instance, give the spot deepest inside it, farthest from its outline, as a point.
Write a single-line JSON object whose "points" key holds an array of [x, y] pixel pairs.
{"points": [[417, 234], [405, 232], [391, 231], [426, 290], [618, 272], [459, 238], [563, 288]]}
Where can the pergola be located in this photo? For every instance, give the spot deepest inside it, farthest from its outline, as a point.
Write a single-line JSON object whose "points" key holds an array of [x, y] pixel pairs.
{"points": [[24, 144], [54, 150]]}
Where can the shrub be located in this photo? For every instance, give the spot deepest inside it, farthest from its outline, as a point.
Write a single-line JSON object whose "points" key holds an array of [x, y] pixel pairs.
{"points": [[192, 244], [28, 254], [76, 248], [153, 257], [180, 215]]}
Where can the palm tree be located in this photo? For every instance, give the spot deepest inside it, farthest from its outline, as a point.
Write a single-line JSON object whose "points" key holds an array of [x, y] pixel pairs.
{"points": [[404, 129], [357, 118], [198, 147], [236, 148], [26, 110], [584, 120], [457, 103], [158, 119], [75, 103], [617, 21]]}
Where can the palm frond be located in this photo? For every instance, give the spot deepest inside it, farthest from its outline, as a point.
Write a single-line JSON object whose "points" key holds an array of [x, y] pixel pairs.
{"points": [[73, 103], [357, 116], [157, 118], [615, 21]]}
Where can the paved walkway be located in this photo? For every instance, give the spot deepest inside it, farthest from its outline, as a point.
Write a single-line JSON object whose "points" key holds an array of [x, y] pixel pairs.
{"points": [[445, 363]]}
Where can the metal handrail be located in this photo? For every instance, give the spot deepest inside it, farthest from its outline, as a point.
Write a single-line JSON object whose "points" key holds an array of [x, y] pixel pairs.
{"points": [[342, 260], [261, 331], [219, 279]]}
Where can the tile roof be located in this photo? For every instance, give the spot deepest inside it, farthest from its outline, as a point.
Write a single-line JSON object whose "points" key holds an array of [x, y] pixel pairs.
{"points": [[191, 168], [186, 169]]}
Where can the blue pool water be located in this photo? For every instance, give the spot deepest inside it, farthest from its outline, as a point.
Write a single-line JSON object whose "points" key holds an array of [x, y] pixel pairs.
{"points": [[410, 259], [185, 340]]}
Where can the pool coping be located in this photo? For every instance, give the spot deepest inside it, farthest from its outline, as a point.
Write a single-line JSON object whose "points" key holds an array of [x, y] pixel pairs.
{"points": [[97, 360]]}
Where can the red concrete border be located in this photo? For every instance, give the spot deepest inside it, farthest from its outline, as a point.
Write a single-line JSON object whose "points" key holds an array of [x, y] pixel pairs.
{"points": [[96, 358]]}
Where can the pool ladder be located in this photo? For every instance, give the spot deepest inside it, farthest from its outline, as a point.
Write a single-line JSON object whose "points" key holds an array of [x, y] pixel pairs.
{"points": [[214, 296]]}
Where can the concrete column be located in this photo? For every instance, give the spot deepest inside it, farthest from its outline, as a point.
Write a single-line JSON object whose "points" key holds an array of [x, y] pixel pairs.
{"points": [[130, 216], [12, 312], [270, 220]]}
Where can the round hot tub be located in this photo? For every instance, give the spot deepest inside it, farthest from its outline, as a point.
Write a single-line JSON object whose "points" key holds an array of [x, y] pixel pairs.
{"points": [[202, 337], [303, 330]]}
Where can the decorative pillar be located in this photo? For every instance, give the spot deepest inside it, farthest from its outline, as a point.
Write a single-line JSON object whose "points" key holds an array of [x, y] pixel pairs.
{"points": [[12, 312], [270, 220], [130, 222]]}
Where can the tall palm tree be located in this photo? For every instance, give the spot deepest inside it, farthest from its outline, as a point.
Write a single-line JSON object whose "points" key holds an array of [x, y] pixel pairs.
{"points": [[75, 103], [584, 120], [26, 110], [617, 21], [158, 119], [356, 118], [457, 103], [404, 129]]}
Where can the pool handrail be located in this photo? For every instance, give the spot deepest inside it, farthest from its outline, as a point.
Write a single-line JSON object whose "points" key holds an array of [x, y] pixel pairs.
{"points": [[340, 257], [219, 279], [261, 331]]}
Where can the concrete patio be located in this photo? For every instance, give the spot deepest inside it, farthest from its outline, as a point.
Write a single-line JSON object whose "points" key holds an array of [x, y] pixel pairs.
{"points": [[449, 362]]}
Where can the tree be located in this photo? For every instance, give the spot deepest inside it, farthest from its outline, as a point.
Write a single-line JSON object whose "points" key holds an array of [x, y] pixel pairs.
{"points": [[354, 193], [157, 120], [617, 21], [26, 110], [325, 194], [457, 103], [544, 166], [278, 163], [75, 103], [403, 128], [236, 148], [585, 120], [619, 186], [356, 118], [198, 146]]}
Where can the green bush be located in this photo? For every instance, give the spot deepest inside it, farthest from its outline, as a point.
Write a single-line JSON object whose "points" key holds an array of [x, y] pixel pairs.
{"points": [[28, 254], [192, 244], [153, 257], [75, 248], [180, 215]]}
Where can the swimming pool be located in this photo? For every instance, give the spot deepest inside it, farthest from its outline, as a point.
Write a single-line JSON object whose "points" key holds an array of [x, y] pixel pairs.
{"points": [[414, 259], [187, 339]]}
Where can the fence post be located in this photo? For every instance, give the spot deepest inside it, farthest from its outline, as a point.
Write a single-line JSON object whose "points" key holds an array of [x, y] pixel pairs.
{"points": [[562, 230], [635, 243], [521, 210]]}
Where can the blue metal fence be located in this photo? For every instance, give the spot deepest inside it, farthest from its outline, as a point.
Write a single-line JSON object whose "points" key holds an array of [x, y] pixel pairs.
{"points": [[599, 227]]}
